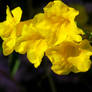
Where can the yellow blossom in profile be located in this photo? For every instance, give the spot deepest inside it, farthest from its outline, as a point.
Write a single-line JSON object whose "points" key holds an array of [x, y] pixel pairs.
{"points": [[70, 57], [10, 29], [32, 43], [12, 19], [58, 22]]}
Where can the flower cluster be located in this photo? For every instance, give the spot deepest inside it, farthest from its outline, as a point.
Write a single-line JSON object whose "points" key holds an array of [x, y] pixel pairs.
{"points": [[53, 32]]}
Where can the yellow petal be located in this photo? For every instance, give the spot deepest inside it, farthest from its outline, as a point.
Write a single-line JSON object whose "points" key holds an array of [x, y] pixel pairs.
{"points": [[57, 8], [59, 66], [9, 44], [9, 17], [36, 51], [17, 13], [22, 47], [41, 25], [81, 62]]}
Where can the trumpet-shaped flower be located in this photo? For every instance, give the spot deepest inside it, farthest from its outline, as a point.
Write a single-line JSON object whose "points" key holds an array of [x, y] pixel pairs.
{"points": [[10, 29], [57, 23], [70, 57], [58, 13], [12, 19], [32, 43]]}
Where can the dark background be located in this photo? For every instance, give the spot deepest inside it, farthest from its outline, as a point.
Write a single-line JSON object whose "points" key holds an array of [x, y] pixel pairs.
{"points": [[29, 79]]}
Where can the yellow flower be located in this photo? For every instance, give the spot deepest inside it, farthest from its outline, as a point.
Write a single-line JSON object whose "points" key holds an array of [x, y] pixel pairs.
{"points": [[32, 43], [70, 57], [57, 23], [10, 29], [12, 19], [61, 15]]}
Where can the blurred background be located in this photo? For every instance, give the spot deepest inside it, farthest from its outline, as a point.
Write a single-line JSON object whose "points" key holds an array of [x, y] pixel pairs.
{"points": [[17, 74]]}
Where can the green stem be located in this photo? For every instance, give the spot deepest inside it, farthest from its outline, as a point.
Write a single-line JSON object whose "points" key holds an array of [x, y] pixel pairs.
{"points": [[15, 67], [14, 64]]}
